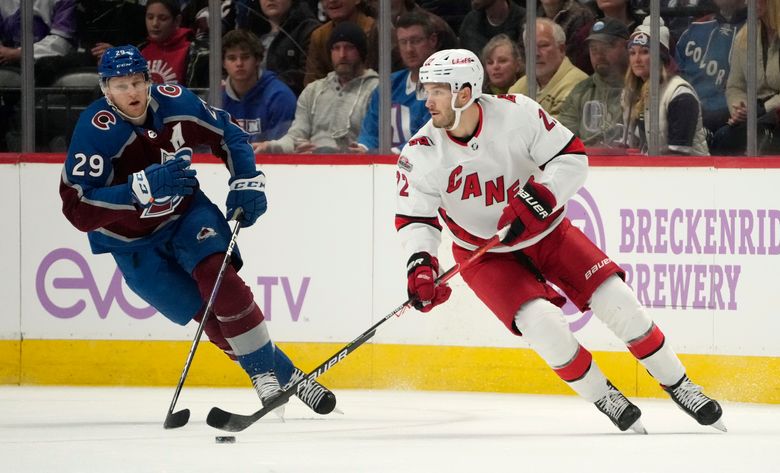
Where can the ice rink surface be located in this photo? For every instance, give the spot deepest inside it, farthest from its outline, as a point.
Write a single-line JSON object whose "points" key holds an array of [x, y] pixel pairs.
{"points": [[118, 430]]}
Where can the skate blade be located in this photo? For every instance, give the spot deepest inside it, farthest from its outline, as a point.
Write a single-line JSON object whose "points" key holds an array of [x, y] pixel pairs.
{"points": [[279, 412], [638, 427], [720, 425], [336, 410]]}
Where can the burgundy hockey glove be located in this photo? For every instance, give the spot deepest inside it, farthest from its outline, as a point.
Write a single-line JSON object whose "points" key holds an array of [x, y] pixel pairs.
{"points": [[529, 212], [422, 270]]}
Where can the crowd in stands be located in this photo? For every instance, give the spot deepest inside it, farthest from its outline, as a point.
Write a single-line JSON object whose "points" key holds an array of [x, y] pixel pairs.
{"points": [[300, 75]]}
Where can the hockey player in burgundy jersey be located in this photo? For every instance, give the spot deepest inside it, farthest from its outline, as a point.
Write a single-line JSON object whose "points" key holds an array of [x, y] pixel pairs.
{"points": [[487, 163], [127, 182]]}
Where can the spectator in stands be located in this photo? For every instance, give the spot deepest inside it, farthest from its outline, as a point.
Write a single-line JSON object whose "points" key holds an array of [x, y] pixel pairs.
{"points": [[99, 23], [703, 57], [284, 28], [503, 63], [576, 20], [416, 42], [318, 61], [680, 126], [53, 33], [330, 110], [620, 10], [592, 111], [102, 23], [445, 36], [195, 16], [261, 103], [489, 18], [168, 44], [732, 138], [556, 76]]}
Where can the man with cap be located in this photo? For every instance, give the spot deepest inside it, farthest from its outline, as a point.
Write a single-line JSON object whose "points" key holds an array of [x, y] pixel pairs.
{"points": [[330, 110], [592, 111]]}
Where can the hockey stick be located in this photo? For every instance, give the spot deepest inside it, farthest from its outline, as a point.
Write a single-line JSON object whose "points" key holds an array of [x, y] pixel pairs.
{"points": [[174, 420], [231, 422]]}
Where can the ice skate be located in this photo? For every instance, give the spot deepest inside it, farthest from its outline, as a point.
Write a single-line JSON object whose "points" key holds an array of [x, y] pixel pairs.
{"points": [[319, 398], [688, 396], [622, 412], [268, 389]]}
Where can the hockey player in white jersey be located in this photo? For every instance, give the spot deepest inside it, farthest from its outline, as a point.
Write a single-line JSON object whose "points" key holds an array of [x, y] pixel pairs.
{"points": [[485, 163]]}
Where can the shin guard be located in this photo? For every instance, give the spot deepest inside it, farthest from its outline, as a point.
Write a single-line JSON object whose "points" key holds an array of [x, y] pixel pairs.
{"points": [[545, 330], [615, 304]]}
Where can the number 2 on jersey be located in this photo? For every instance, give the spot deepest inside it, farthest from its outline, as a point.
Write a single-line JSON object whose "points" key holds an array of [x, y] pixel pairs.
{"points": [[403, 189], [549, 123]]}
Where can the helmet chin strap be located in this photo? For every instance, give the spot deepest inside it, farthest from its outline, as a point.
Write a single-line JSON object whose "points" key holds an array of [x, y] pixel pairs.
{"points": [[458, 111]]}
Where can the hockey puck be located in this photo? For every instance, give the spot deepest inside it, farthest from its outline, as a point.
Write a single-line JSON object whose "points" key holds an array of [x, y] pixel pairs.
{"points": [[225, 439]]}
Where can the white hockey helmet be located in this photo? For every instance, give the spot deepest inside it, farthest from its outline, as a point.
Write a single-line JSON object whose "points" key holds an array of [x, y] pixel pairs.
{"points": [[456, 67]]}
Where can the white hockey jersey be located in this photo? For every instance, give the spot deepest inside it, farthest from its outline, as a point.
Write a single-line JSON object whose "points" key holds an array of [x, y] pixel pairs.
{"points": [[466, 186]]}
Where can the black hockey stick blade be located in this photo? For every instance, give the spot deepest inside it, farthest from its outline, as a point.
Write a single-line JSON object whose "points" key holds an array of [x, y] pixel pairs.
{"points": [[174, 420], [223, 420], [231, 422]]}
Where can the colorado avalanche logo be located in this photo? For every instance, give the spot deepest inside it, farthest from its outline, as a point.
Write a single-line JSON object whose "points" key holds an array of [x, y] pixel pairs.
{"points": [[166, 205], [584, 214], [103, 120], [170, 90]]}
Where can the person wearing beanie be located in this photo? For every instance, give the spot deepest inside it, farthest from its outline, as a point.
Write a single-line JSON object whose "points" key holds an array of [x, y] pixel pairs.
{"points": [[680, 122], [318, 60], [330, 110]]}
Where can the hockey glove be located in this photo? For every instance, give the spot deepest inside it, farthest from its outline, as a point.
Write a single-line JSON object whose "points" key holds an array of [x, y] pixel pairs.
{"points": [[528, 213], [160, 182], [247, 192], [421, 271]]}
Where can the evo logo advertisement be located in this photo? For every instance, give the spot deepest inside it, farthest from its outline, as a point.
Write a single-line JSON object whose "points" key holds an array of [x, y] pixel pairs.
{"points": [[66, 287]]}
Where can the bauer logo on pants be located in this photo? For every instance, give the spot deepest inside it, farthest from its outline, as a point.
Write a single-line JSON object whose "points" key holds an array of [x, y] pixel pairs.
{"points": [[584, 214]]}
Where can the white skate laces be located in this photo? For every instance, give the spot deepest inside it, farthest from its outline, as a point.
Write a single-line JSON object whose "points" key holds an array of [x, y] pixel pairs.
{"points": [[689, 395], [624, 414], [267, 386]]}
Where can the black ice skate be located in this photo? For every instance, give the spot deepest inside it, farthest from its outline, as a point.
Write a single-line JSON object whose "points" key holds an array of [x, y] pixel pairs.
{"points": [[688, 396], [319, 398], [268, 389], [622, 412]]}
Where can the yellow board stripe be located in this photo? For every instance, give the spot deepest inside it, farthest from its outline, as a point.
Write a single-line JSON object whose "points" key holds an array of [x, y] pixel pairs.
{"points": [[373, 366]]}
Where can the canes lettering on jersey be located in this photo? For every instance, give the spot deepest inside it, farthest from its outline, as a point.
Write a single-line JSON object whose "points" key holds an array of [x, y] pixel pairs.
{"points": [[514, 141]]}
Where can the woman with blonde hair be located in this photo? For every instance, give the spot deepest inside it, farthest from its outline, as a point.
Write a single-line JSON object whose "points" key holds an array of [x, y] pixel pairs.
{"points": [[680, 123], [503, 64]]}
